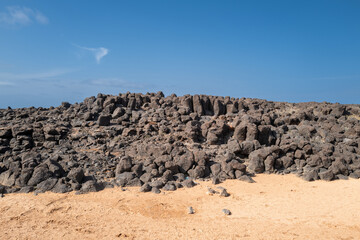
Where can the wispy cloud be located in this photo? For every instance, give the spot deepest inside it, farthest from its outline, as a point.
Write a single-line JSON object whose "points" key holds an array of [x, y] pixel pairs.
{"points": [[99, 53], [5, 83], [11, 79], [16, 15]]}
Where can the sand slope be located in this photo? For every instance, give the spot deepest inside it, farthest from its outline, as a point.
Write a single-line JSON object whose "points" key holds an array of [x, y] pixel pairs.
{"points": [[276, 207]]}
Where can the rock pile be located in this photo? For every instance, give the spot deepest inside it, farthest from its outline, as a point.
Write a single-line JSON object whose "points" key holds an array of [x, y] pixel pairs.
{"points": [[164, 143]]}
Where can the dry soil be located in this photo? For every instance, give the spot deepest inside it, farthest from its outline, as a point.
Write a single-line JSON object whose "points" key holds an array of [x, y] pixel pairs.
{"points": [[275, 207]]}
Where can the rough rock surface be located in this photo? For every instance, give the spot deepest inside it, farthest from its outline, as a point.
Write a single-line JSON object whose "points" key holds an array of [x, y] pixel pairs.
{"points": [[166, 143]]}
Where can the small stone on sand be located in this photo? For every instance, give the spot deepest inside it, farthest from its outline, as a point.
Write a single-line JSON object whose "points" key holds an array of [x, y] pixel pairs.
{"points": [[191, 210], [226, 211]]}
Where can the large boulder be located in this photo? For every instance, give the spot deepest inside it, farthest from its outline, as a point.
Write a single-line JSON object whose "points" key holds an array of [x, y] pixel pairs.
{"points": [[311, 175], [7, 178], [339, 166], [46, 185], [247, 147], [91, 186], [256, 164], [5, 133], [104, 120], [218, 107], [256, 159], [197, 105], [184, 161], [40, 174], [240, 132], [124, 165], [327, 175], [76, 174]]}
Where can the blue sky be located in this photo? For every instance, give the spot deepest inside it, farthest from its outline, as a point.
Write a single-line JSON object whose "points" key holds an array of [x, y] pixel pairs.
{"points": [[295, 51]]}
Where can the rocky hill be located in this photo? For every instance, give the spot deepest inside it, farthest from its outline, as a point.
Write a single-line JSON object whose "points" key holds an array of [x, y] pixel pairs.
{"points": [[164, 143]]}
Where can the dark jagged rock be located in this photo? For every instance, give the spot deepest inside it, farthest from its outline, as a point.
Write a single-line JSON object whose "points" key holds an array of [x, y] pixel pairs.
{"points": [[246, 178], [61, 187], [76, 174], [40, 174], [145, 188], [104, 120], [155, 190], [224, 193], [125, 178], [124, 165], [46, 185], [327, 175], [159, 142], [189, 183], [311, 175], [91, 186], [169, 187]]}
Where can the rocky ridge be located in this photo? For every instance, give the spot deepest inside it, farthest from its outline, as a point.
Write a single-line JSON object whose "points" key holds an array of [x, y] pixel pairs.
{"points": [[164, 143]]}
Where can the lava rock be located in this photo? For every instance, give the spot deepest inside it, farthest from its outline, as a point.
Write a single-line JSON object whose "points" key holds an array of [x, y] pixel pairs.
{"points": [[189, 183], [40, 174], [46, 185], [104, 120], [145, 188], [246, 178], [169, 187], [224, 193], [91, 186], [311, 175], [155, 190], [326, 175], [76, 174], [124, 165]]}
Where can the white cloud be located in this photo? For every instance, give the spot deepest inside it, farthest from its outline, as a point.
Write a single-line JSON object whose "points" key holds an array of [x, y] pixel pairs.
{"points": [[15, 15], [11, 79], [4, 83], [99, 53]]}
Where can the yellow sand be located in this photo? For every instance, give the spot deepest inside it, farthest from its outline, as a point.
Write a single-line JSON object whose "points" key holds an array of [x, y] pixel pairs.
{"points": [[276, 207]]}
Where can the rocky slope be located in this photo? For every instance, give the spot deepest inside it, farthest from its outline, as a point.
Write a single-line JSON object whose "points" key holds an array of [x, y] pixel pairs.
{"points": [[163, 143]]}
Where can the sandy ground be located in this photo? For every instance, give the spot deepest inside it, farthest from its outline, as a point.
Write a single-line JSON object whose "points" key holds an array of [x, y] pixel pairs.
{"points": [[276, 207]]}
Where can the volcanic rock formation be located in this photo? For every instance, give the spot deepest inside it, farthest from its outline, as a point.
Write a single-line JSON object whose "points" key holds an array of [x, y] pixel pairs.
{"points": [[159, 142]]}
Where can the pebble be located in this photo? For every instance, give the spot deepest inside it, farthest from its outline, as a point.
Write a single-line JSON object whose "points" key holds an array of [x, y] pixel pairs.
{"points": [[224, 193], [2, 195], [226, 211], [211, 191], [191, 210]]}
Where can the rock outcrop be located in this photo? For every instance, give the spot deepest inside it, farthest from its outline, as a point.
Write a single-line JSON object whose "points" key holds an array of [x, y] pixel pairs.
{"points": [[159, 142]]}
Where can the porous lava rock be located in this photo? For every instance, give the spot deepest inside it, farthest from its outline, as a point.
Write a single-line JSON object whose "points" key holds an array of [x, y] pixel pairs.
{"points": [[165, 143]]}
